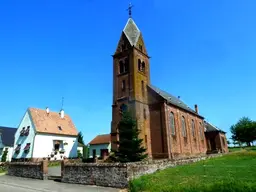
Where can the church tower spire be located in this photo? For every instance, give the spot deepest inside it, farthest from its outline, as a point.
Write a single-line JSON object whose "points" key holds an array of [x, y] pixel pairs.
{"points": [[131, 75]]}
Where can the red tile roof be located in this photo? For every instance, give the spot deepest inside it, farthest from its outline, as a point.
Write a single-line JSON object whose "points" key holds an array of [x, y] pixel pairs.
{"points": [[52, 123], [101, 139]]}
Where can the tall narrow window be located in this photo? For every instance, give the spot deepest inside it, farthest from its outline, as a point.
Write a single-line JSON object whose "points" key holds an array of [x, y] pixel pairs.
{"points": [[139, 64], [172, 123], [193, 128], [121, 67], [142, 88], [143, 66], [126, 65], [201, 131], [183, 124], [123, 85]]}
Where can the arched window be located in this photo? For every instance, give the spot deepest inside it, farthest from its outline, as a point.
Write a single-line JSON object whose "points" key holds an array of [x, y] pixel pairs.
{"points": [[201, 131], [172, 123], [121, 67], [183, 124], [193, 128], [123, 108], [139, 64], [126, 65], [142, 88], [143, 66]]}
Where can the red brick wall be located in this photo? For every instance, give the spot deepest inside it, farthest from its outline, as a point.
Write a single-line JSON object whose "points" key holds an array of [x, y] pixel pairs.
{"points": [[179, 145]]}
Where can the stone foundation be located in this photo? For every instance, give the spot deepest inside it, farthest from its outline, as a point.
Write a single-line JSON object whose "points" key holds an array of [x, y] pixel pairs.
{"points": [[118, 174]]}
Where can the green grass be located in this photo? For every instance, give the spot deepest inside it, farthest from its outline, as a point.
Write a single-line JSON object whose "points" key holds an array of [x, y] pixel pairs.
{"points": [[235, 149], [2, 169], [54, 163], [235, 172]]}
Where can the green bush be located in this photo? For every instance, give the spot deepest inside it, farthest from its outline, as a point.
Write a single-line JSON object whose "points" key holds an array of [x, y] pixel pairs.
{"points": [[4, 156]]}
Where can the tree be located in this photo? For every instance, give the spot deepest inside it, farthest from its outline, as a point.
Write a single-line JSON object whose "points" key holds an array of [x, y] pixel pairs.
{"points": [[244, 131], [80, 138], [130, 145], [4, 156]]}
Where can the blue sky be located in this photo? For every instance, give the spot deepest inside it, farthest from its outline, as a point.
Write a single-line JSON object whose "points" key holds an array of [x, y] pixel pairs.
{"points": [[203, 51]]}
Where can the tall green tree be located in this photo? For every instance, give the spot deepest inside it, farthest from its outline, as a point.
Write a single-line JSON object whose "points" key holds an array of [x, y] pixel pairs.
{"points": [[4, 156], [244, 131], [130, 145], [80, 138]]}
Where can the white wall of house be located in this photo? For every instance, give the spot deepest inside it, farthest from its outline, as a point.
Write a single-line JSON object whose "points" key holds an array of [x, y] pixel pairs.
{"points": [[98, 149], [23, 140], [80, 149], [44, 145]]}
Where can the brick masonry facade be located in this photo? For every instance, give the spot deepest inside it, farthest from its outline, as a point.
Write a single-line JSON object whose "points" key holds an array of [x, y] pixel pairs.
{"points": [[130, 88]]}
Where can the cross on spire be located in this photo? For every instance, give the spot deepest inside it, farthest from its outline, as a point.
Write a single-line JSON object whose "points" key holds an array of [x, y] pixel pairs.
{"points": [[130, 10]]}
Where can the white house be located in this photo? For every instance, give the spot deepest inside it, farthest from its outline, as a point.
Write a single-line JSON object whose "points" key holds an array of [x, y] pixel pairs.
{"points": [[44, 134], [6, 142], [100, 146]]}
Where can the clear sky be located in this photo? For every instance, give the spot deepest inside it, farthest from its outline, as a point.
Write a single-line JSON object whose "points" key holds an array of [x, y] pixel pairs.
{"points": [[203, 51]]}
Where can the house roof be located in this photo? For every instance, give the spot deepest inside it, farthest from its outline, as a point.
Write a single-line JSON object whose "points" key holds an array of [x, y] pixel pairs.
{"points": [[52, 123], [173, 100], [132, 32], [8, 135], [101, 139], [211, 128]]}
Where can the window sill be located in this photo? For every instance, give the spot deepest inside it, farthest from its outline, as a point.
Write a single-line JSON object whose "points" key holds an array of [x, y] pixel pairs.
{"points": [[121, 74]]}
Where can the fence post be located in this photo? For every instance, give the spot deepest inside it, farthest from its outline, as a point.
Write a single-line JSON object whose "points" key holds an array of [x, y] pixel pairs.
{"points": [[44, 169]]}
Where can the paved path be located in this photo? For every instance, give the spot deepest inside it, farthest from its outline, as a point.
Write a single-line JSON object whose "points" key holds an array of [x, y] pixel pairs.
{"points": [[18, 184], [54, 171]]}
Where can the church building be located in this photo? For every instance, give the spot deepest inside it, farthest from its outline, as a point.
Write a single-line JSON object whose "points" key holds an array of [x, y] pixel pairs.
{"points": [[168, 127]]}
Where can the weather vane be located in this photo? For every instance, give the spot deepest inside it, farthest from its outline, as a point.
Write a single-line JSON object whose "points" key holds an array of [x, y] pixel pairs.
{"points": [[130, 9]]}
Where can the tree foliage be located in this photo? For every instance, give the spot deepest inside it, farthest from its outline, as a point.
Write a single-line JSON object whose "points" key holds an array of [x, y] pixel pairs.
{"points": [[130, 145], [244, 131], [4, 156], [80, 138]]}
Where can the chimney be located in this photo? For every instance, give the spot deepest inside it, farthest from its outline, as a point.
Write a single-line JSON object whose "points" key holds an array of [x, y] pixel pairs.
{"points": [[47, 110], [196, 108], [62, 114]]}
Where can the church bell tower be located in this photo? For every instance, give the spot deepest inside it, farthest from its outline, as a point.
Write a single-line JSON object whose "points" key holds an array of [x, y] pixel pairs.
{"points": [[131, 76]]}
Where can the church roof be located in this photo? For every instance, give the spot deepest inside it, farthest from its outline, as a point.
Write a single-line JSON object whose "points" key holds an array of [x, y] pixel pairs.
{"points": [[7, 135], [173, 100], [211, 128], [52, 123], [132, 32]]}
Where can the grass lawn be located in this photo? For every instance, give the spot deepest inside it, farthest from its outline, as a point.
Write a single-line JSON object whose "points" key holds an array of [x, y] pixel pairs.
{"points": [[2, 169], [54, 163], [234, 149], [235, 172]]}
